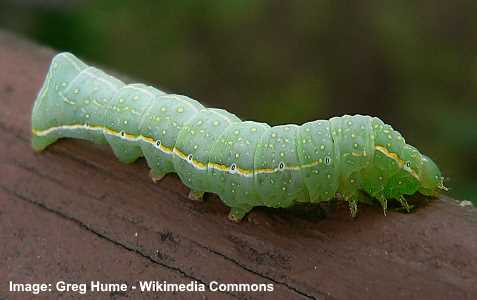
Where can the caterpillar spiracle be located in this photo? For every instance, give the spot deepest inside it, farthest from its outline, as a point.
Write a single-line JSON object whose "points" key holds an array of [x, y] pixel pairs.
{"points": [[246, 163]]}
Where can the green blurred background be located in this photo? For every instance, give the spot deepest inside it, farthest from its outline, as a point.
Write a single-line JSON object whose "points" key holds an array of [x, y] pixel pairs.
{"points": [[411, 63]]}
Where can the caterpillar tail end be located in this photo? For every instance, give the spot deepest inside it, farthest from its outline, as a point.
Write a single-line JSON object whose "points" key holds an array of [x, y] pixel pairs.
{"points": [[39, 143]]}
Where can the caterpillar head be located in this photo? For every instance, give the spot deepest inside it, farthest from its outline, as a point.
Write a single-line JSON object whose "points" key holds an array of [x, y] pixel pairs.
{"points": [[422, 174], [431, 178]]}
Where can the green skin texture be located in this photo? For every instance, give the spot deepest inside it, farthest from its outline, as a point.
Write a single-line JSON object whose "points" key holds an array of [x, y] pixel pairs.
{"points": [[329, 151]]}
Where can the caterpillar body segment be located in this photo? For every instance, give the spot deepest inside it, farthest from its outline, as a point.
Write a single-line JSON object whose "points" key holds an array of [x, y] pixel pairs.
{"points": [[194, 147], [161, 125], [233, 164], [246, 163]]}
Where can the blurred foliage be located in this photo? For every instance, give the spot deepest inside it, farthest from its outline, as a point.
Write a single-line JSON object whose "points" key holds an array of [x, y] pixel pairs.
{"points": [[412, 63]]}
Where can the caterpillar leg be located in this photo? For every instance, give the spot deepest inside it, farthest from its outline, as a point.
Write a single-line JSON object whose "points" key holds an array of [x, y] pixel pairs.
{"points": [[384, 203], [332, 205], [196, 195], [354, 196], [155, 177], [236, 214], [404, 203], [353, 207]]}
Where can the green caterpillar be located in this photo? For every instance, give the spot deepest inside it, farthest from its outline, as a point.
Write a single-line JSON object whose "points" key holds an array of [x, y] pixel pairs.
{"points": [[246, 163]]}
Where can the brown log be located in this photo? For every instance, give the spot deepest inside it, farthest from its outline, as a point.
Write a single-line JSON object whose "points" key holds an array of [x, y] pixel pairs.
{"points": [[75, 213]]}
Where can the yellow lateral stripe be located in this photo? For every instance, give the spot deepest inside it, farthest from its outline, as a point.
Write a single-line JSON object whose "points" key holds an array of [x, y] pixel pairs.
{"points": [[265, 170], [389, 154], [179, 153], [210, 165], [165, 149], [148, 140], [244, 171], [218, 166], [395, 157], [312, 164], [197, 164], [359, 154]]}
